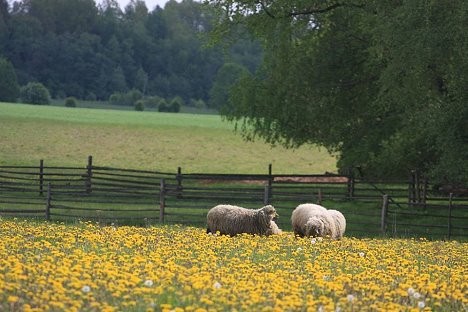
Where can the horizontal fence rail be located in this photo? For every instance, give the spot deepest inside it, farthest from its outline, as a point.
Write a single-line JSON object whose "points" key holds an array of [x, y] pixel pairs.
{"points": [[141, 197]]}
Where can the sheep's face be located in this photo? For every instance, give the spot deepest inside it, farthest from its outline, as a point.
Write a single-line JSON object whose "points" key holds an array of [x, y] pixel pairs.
{"points": [[270, 211], [315, 227]]}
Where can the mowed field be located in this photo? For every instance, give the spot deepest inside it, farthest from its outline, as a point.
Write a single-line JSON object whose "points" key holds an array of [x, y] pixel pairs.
{"points": [[143, 140]]}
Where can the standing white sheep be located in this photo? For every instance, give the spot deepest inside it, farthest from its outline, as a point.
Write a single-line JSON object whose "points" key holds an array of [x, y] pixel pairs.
{"points": [[340, 222], [313, 220], [232, 220]]}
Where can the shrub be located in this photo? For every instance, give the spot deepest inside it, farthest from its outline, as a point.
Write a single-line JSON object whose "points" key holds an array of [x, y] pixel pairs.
{"points": [[176, 104], [163, 107], [116, 99], [152, 101], [174, 107], [35, 93], [70, 101], [140, 106]]}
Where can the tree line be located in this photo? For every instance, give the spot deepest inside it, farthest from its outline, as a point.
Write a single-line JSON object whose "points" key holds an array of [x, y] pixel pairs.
{"points": [[92, 50]]}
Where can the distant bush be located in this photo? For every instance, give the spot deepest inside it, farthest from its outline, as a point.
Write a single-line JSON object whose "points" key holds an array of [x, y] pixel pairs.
{"points": [[140, 105], [163, 107], [152, 101], [35, 93], [125, 99], [70, 101], [91, 97], [175, 106], [200, 104]]}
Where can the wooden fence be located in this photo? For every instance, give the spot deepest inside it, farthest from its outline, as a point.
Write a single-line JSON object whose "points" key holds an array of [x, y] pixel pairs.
{"points": [[124, 196]]}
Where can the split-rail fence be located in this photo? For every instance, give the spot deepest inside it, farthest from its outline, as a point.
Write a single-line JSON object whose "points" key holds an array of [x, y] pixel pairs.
{"points": [[141, 197]]}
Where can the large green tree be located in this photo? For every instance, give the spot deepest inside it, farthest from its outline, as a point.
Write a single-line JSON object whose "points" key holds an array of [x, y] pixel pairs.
{"points": [[382, 84], [9, 88]]}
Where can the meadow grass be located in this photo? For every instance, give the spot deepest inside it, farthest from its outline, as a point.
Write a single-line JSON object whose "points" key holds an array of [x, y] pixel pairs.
{"points": [[143, 140], [87, 267]]}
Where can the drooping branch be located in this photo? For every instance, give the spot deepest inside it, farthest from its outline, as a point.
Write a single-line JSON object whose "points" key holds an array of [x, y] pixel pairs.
{"points": [[323, 10], [308, 11]]}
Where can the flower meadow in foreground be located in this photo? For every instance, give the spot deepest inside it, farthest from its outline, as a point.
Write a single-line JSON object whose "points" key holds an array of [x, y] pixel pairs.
{"points": [[87, 267]]}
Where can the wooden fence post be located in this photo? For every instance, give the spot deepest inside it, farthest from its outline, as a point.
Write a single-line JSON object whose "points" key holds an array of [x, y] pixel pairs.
{"points": [[270, 184], [350, 184], [383, 215], [41, 177], [179, 182], [48, 202], [424, 191], [412, 187], [162, 200], [89, 174], [266, 195], [319, 196], [450, 215]]}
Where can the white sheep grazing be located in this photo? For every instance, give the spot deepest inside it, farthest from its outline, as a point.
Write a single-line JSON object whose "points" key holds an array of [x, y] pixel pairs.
{"points": [[232, 220], [340, 222], [313, 220]]}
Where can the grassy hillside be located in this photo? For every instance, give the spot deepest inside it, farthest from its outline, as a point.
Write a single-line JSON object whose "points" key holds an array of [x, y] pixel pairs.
{"points": [[142, 140]]}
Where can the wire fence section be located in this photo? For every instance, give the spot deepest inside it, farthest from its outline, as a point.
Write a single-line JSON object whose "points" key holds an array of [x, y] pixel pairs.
{"points": [[138, 197]]}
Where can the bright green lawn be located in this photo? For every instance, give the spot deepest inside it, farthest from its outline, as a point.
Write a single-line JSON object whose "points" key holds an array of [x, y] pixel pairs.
{"points": [[142, 140]]}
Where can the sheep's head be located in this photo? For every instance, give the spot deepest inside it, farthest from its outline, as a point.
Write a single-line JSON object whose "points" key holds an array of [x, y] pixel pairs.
{"points": [[315, 227], [270, 211], [266, 215]]}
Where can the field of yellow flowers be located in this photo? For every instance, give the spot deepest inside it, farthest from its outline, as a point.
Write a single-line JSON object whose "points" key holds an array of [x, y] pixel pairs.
{"points": [[87, 267]]}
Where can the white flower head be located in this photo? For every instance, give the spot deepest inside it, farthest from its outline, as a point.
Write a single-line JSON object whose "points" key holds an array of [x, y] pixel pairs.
{"points": [[361, 254], [321, 308], [86, 289], [299, 249], [411, 291], [148, 283], [416, 295], [217, 285], [313, 240], [350, 298], [421, 304]]}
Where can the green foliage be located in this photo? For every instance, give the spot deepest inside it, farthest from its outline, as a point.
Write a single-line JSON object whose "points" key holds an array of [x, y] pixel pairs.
{"points": [[126, 99], [162, 106], [152, 101], [9, 88], [176, 104], [70, 101], [381, 84], [35, 93], [227, 75], [200, 104], [82, 47], [139, 105]]}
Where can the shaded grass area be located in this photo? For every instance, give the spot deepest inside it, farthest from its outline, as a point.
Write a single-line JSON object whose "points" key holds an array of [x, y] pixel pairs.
{"points": [[143, 140]]}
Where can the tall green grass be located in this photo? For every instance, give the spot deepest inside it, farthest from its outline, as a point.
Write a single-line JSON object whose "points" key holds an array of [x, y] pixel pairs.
{"points": [[143, 140]]}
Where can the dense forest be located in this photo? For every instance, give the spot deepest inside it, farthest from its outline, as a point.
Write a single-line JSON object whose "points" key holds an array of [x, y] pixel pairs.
{"points": [[92, 49]]}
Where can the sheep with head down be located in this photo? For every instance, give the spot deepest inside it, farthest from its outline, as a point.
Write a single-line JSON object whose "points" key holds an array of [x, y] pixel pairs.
{"points": [[233, 220], [340, 222], [313, 220]]}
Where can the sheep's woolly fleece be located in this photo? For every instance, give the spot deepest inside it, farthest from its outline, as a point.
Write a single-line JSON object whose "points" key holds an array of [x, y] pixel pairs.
{"points": [[315, 220], [232, 220]]}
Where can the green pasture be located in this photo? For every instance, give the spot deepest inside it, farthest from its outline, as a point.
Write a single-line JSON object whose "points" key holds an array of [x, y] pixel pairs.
{"points": [[143, 140]]}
